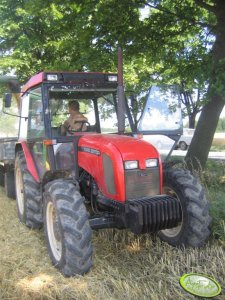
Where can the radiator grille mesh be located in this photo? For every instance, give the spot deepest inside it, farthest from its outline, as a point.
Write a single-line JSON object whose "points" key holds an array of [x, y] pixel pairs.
{"points": [[142, 183]]}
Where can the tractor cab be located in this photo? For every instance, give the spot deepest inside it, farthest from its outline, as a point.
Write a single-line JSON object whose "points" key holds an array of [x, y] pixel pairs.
{"points": [[44, 106], [44, 109], [49, 96], [46, 97]]}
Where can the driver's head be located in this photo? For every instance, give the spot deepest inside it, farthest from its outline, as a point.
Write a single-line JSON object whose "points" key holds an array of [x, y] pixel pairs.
{"points": [[74, 105]]}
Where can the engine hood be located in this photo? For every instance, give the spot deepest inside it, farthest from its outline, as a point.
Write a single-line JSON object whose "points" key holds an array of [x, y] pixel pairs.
{"points": [[103, 156], [130, 148]]}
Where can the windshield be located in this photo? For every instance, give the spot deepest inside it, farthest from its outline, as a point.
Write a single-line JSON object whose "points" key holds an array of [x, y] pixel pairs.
{"points": [[162, 112], [79, 110]]}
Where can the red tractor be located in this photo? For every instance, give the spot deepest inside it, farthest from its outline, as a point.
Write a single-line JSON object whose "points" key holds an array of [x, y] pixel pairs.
{"points": [[102, 177]]}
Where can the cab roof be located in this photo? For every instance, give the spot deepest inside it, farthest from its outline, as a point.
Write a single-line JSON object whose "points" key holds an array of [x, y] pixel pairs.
{"points": [[95, 78]]}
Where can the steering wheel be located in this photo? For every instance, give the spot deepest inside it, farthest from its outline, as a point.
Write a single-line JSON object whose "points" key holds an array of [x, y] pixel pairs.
{"points": [[71, 131]]}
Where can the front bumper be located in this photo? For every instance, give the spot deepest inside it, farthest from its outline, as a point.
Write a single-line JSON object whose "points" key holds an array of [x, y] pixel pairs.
{"points": [[152, 214], [144, 215]]}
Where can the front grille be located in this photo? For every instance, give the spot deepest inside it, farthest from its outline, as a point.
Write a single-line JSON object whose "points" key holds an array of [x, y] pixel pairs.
{"points": [[153, 214], [142, 183], [109, 174]]}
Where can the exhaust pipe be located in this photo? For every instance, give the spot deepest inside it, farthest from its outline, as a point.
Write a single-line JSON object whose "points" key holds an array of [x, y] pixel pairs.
{"points": [[120, 93]]}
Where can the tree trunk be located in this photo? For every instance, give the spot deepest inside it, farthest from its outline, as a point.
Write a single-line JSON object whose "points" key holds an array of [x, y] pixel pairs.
{"points": [[199, 148], [191, 120], [202, 140]]}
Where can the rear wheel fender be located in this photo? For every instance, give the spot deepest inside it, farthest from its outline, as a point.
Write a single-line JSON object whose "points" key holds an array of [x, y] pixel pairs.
{"points": [[29, 160]]}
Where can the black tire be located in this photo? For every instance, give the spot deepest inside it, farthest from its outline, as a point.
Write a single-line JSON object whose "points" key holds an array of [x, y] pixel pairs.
{"points": [[183, 146], [194, 229], [10, 184], [67, 229], [2, 175], [28, 195]]}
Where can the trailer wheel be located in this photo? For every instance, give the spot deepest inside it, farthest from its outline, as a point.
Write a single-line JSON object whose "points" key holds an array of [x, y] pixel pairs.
{"points": [[67, 229], [28, 195], [194, 229], [183, 146], [10, 184], [2, 175]]}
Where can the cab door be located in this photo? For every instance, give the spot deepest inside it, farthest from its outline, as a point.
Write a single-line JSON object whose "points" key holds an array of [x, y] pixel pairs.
{"points": [[161, 120], [32, 128]]}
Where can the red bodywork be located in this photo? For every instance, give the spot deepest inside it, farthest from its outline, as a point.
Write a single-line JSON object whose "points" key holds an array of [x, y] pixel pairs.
{"points": [[33, 81], [119, 148], [30, 162]]}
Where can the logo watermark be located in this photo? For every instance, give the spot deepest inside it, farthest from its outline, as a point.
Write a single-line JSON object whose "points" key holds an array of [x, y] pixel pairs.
{"points": [[200, 285]]}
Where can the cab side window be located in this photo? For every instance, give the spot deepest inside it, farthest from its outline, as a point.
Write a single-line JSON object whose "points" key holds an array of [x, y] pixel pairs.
{"points": [[35, 119]]}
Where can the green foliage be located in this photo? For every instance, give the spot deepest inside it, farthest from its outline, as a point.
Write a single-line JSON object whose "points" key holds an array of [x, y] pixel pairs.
{"points": [[221, 125], [214, 175], [84, 35], [218, 213]]}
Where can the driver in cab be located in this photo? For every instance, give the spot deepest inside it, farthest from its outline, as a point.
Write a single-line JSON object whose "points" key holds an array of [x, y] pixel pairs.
{"points": [[76, 120]]}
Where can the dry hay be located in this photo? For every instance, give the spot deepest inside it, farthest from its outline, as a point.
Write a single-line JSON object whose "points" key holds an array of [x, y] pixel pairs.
{"points": [[125, 266]]}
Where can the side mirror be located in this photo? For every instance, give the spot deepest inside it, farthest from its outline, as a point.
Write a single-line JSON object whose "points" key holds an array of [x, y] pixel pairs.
{"points": [[7, 100]]}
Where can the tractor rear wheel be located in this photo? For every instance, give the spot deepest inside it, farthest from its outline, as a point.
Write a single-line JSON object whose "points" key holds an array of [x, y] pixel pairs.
{"points": [[67, 229], [28, 195], [194, 229]]}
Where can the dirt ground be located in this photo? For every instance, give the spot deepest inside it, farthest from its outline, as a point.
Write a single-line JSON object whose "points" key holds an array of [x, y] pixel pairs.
{"points": [[125, 266]]}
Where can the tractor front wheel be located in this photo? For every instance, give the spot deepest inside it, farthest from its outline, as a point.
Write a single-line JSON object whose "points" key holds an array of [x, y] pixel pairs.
{"points": [[193, 229], [67, 229]]}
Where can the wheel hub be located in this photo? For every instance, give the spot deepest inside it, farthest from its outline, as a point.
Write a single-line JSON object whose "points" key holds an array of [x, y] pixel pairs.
{"points": [[19, 191], [56, 228], [53, 231]]}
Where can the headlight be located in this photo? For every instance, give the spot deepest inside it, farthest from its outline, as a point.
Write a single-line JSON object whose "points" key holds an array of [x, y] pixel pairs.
{"points": [[130, 164], [151, 162], [52, 77], [112, 78]]}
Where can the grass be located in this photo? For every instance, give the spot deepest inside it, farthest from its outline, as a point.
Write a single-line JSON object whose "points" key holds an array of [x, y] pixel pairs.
{"points": [[125, 266], [217, 148], [214, 180]]}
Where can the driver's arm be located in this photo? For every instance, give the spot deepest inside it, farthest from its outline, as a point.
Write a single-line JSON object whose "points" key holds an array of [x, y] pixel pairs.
{"points": [[77, 123], [64, 127]]}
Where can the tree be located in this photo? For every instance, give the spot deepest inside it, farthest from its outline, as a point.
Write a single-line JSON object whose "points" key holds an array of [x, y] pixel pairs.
{"points": [[206, 127], [192, 103], [189, 33], [180, 42], [41, 35]]}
